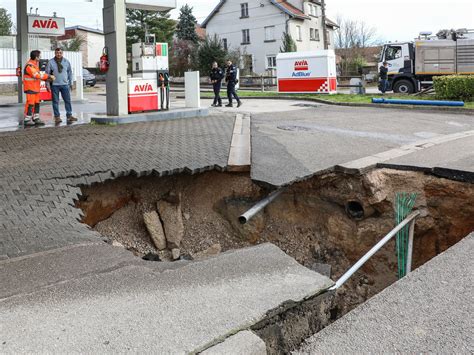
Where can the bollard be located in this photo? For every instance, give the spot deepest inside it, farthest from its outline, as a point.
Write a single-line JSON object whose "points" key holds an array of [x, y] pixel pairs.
{"points": [[192, 89], [79, 88]]}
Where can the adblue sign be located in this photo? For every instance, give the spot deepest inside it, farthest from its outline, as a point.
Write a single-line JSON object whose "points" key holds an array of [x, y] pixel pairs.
{"points": [[41, 25]]}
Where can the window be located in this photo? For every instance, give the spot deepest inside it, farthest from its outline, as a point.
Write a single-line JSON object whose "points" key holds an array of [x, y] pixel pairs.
{"points": [[244, 10], [271, 61], [314, 34], [224, 43], [393, 53], [270, 34], [298, 33], [328, 37], [313, 10], [245, 36]]}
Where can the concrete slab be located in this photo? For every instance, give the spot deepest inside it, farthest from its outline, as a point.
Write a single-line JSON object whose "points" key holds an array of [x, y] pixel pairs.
{"points": [[143, 307], [242, 343], [451, 159], [429, 311], [172, 114]]}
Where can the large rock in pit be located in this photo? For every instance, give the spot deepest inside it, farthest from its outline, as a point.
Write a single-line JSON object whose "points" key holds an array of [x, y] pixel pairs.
{"points": [[154, 227], [172, 218]]}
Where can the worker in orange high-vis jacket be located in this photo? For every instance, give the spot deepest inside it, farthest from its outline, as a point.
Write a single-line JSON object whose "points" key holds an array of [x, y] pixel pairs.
{"points": [[32, 85]]}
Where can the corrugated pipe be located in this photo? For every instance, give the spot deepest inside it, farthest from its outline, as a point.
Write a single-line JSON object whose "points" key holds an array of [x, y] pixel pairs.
{"points": [[417, 102], [247, 216]]}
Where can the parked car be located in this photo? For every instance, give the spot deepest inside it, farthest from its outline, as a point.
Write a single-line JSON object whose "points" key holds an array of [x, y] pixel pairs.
{"points": [[88, 78]]}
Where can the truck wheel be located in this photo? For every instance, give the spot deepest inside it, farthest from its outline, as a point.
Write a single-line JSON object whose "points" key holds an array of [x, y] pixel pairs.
{"points": [[404, 87]]}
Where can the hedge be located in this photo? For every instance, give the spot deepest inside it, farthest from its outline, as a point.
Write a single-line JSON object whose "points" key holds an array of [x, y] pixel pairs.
{"points": [[454, 87]]}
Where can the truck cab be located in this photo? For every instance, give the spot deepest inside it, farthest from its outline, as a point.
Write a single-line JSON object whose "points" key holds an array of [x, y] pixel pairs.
{"points": [[400, 59]]}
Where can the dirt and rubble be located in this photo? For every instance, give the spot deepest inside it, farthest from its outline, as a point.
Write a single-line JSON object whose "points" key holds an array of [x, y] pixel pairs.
{"points": [[329, 220]]}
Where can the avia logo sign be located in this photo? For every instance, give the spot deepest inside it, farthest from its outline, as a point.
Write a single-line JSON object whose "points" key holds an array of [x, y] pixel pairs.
{"points": [[46, 25], [301, 65], [143, 88]]}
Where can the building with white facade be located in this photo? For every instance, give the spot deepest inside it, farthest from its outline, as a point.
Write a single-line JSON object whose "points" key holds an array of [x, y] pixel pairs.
{"points": [[91, 48], [257, 28]]}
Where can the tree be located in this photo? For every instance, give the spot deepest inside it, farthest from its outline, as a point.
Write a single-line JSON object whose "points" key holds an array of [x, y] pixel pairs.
{"points": [[182, 56], [288, 45], [186, 28], [72, 44], [157, 23], [351, 39], [5, 22], [354, 34], [211, 50]]}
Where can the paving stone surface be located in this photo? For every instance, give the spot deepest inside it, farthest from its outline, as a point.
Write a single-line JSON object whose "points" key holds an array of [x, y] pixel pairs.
{"points": [[42, 171]]}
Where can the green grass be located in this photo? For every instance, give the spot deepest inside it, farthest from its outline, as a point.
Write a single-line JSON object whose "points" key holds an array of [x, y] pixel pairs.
{"points": [[343, 98]]}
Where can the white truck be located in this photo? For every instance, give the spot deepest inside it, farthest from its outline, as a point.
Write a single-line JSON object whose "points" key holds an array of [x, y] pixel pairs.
{"points": [[412, 65]]}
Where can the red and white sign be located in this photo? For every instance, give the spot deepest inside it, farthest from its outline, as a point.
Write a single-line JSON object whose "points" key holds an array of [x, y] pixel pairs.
{"points": [[301, 65], [41, 25], [307, 72], [45, 94], [142, 95]]}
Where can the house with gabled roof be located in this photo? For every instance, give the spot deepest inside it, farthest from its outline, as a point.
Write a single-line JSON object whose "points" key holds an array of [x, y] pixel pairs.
{"points": [[257, 28]]}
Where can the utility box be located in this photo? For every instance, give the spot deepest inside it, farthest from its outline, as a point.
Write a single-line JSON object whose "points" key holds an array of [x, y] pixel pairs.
{"points": [[307, 72]]}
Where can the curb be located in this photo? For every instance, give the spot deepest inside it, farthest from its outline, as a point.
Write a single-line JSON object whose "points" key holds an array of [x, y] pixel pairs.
{"points": [[347, 104]]}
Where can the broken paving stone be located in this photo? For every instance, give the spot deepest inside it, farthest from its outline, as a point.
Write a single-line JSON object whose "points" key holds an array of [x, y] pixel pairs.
{"points": [[172, 218], [175, 253], [154, 227], [213, 250]]}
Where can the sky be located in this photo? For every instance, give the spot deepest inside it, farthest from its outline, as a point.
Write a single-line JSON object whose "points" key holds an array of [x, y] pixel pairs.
{"points": [[394, 21]]}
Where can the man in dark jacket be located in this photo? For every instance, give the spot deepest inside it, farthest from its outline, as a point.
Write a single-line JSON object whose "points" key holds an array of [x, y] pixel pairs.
{"points": [[231, 80], [383, 76], [216, 76]]}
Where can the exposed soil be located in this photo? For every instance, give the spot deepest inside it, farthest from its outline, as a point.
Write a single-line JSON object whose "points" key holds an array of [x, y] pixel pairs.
{"points": [[332, 219]]}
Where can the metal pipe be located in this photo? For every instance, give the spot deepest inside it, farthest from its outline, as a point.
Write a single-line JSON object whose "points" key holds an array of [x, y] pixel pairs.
{"points": [[411, 233], [247, 216], [417, 102], [372, 251]]}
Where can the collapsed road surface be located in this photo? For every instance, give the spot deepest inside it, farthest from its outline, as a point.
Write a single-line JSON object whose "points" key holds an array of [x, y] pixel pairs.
{"points": [[60, 270]]}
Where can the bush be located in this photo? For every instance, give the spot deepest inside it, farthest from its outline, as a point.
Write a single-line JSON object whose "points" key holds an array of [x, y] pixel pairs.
{"points": [[454, 87]]}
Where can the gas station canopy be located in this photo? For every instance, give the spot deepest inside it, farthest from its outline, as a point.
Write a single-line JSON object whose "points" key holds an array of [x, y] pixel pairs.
{"points": [[151, 5]]}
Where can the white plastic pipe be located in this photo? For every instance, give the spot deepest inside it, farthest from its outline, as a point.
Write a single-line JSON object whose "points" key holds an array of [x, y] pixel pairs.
{"points": [[375, 249]]}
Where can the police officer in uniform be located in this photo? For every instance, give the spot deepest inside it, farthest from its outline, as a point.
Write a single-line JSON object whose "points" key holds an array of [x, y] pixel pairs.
{"points": [[231, 80], [216, 76]]}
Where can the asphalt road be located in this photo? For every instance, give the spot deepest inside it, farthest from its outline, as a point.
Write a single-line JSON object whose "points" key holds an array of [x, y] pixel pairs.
{"points": [[288, 146]]}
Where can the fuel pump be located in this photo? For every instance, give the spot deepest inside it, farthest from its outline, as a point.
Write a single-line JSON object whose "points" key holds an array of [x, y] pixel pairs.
{"points": [[148, 88]]}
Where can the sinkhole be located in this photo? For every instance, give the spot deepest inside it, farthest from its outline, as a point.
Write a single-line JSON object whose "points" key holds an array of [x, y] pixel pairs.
{"points": [[325, 222]]}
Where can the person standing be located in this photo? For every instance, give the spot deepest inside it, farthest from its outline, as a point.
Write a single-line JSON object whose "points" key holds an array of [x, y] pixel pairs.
{"points": [[61, 68], [32, 77], [383, 76], [216, 76], [231, 80]]}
